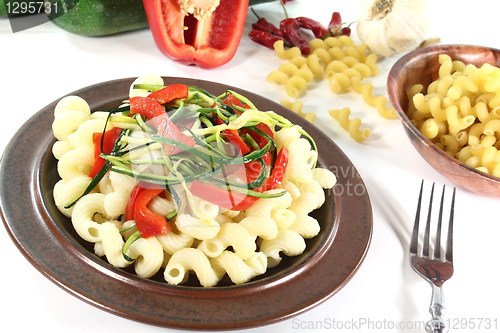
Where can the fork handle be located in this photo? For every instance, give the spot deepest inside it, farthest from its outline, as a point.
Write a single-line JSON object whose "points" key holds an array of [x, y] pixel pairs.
{"points": [[437, 310]]}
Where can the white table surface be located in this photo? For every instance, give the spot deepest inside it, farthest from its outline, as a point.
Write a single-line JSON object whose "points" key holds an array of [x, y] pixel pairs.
{"points": [[41, 64]]}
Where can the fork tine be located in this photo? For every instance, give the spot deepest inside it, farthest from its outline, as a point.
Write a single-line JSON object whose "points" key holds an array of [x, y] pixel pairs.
{"points": [[437, 247], [427, 234], [449, 243], [414, 235]]}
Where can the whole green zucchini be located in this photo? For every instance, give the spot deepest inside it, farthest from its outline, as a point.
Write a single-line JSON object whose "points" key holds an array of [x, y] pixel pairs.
{"points": [[98, 17], [103, 17]]}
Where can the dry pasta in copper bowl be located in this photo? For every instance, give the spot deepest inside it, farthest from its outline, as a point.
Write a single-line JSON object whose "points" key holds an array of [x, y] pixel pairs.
{"points": [[448, 97]]}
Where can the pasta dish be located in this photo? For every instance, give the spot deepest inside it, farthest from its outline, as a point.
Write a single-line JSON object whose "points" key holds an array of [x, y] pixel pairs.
{"points": [[180, 181]]}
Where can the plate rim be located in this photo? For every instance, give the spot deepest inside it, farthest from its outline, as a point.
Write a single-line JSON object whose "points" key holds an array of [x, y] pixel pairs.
{"points": [[251, 320]]}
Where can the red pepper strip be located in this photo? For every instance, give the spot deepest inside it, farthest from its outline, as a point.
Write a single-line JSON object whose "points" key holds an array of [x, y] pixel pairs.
{"points": [[278, 171], [222, 197], [291, 32], [129, 210], [264, 38], [110, 137], [149, 223], [238, 201], [264, 128], [234, 137], [252, 171], [263, 25], [261, 141], [317, 28], [230, 100], [157, 116], [208, 43], [253, 168], [146, 107], [169, 93]]}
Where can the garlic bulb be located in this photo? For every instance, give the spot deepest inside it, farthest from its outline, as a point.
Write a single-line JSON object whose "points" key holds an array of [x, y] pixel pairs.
{"points": [[390, 27]]}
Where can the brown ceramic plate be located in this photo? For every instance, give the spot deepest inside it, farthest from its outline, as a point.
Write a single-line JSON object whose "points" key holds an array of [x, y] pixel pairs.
{"points": [[47, 239]]}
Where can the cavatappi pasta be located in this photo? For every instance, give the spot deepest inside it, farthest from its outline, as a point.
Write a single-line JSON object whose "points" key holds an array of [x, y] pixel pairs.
{"points": [[344, 64], [351, 126], [297, 108], [142, 181], [460, 113]]}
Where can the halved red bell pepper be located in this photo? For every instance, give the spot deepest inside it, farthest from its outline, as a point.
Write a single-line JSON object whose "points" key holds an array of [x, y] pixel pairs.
{"points": [[157, 116], [206, 37], [110, 137]]}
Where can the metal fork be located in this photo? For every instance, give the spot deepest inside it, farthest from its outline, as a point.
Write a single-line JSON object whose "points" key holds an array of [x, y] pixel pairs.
{"points": [[435, 270]]}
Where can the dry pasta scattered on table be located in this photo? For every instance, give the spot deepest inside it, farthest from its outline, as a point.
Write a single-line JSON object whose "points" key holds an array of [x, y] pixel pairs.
{"points": [[460, 112], [179, 180], [344, 64]]}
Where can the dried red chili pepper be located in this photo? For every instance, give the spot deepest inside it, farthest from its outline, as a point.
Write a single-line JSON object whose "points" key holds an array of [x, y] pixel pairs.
{"points": [[264, 38], [263, 25], [335, 22], [317, 28], [346, 31], [291, 32], [335, 26]]}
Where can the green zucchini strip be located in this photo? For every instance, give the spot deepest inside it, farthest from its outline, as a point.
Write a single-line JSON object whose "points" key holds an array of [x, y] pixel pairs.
{"points": [[150, 87], [220, 160], [135, 236]]}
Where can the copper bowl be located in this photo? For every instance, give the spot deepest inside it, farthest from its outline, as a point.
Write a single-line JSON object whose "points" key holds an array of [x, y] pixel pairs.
{"points": [[421, 67]]}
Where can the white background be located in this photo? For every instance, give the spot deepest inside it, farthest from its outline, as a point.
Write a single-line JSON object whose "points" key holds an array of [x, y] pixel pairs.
{"points": [[41, 64]]}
